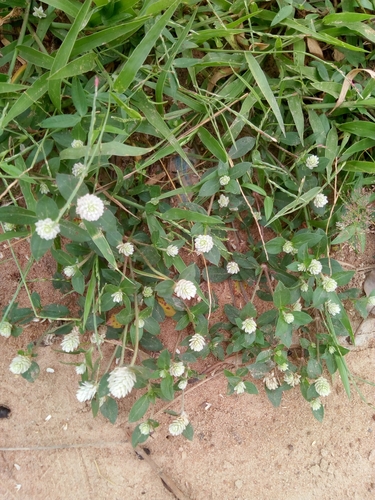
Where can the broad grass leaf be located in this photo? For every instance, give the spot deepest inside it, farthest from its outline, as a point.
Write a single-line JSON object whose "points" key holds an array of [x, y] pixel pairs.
{"points": [[284, 12], [112, 148], [71, 8], [343, 370], [295, 106], [33, 56], [359, 166], [212, 144], [60, 121], [78, 66]]}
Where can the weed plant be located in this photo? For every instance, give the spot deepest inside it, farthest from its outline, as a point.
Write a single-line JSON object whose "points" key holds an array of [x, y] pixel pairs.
{"points": [[136, 136]]}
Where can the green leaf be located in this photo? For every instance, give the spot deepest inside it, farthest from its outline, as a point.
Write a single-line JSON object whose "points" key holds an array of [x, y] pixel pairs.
{"points": [[32, 373], [215, 274], [264, 87], [139, 408], [39, 246], [343, 370], [281, 296], [60, 121], [112, 148], [150, 342], [79, 66], [212, 186], [188, 432], [54, 311], [138, 437], [212, 145], [109, 409], [101, 243], [78, 282], [152, 326], [166, 387], [103, 389], [33, 56], [295, 107], [188, 215], [79, 97], [250, 388], [314, 368], [17, 215], [360, 128], [284, 12]]}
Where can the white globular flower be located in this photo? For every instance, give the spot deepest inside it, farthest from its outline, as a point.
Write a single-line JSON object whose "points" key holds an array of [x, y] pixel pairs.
{"points": [[70, 271], [224, 180], [271, 381], [77, 143], [197, 342], [78, 169], [98, 338], [283, 367], [331, 349], [43, 188], [177, 368], [117, 296], [371, 301], [292, 379], [288, 247], [86, 391], [140, 323], [5, 329], [70, 341], [163, 373], [297, 306], [39, 12], [233, 268], [322, 386], [172, 250], [223, 201], [185, 289], [257, 215], [182, 384], [47, 229], [178, 425], [320, 200], [288, 317], [333, 308], [90, 207], [329, 284], [239, 388], [312, 162], [80, 369], [203, 243], [315, 404], [147, 292], [121, 381], [315, 267], [126, 249], [20, 364], [304, 287], [9, 227], [249, 325], [301, 267], [145, 428]]}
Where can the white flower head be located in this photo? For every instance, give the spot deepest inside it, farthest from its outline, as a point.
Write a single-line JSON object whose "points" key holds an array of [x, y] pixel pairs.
{"points": [[371, 300], [177, 368], [182, 384], [322, 386], [233, 268], [39, 12], [126, 249], [315, 404], [98, 338], [43, 188], [185, 289], [312, 162], [178, 425], [224, 180], [249, 325], [117, 296], [70, 271], [203, 243], [292, 379], [71, 341], [329, 284], [257, 215], [20, 364], [301, 267], [197, 342], [163, 373], [147, 292], [121, 381], [77, 143], [333, 308], [141, 323], [172, 250], [223, 201], [86, 391], [331, 349], [288, 317], [297, 306], [304, 287], [288, 247], [80, 369], [47, 229], [90, 207], [315, 267], [271, 381], [145, 428], [239, 388], [79, 169], [5, 329], [320, 200], [283, 367], [9, 227]]}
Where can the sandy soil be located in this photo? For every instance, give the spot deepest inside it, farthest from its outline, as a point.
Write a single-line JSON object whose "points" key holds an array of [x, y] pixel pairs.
{"points": [[52, 448]]}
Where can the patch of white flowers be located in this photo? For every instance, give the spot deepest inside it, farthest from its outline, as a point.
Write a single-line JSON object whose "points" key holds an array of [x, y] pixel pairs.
{"points": [[320, 200], [147, 292], [292, 379], [20, 364], [77, 143], [224, 180], [239, 388], [90, 207], [172, 250], [39, 12], [288, 317], [178, 425], [47, 229], [78, 169], [233, 268], [322, 386], [86, 391], [70, 271], [203, 243], [121, 381], [5, 329], [145, 428], [126, 249], [315, 404], [197, 342], [288, 247], [249, 325], [312, 162], [177, 368], [329, 284], [271, 381], [117, 296], [223, 201], [80, 369], [185, 289], [315, 267], [71, 341], [333, 308]]}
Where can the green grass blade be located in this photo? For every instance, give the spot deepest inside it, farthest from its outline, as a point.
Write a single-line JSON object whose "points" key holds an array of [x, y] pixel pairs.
{"points": [[36, 57], [79, 66]]}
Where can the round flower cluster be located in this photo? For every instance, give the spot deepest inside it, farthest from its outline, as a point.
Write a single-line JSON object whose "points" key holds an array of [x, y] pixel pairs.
{"points": [[203, 243], [90, 207], [312, 162], [20, 364], [371, 300], [172, 250], [117, 296], [77, 143], [239, 388], [185, 289], [145, 428], [43, 188], [322, 386], [78, 169], [224, 180], [121, 381], [177, 368], [315, 404], [86, 391], [80, 369], [233, 268], [197, 342], [182, 384], [70, 341], [297, 306], [320, 200], [292, 379], [126, 249], [178, 425], [249, 325], [70, 271], [140, 323], [47, 229], [288, 247], [333, 308], [288, 317], [5, 329], [223, 201], [271, 381], [147, 292], [329, 284], [315, 267], [304, 287]]}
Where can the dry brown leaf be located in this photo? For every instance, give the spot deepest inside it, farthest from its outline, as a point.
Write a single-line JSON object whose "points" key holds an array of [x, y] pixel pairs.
{"points": [[314, 48], [221, 73], [337, 55], [347, 84]]}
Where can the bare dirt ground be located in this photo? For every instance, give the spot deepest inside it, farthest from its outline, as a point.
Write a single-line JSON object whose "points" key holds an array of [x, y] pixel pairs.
{"points": [[52, 448]]}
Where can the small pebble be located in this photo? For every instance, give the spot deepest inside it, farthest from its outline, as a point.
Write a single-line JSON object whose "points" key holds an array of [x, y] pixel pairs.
{"points": [[50, 370], [48, 418]]}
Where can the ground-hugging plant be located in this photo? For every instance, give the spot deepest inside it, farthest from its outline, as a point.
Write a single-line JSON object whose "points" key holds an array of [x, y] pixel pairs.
{"points": [[231, 116]]}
